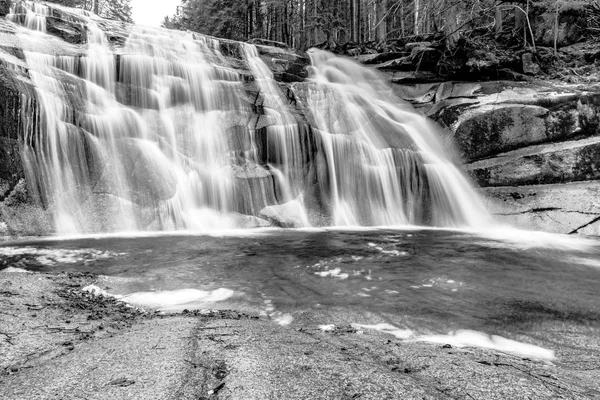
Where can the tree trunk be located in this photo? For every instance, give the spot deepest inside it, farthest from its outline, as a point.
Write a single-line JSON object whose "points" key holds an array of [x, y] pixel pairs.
{"points": [[452, 32], [381, 20], [417, 15], [498, 19], [556, 29]]}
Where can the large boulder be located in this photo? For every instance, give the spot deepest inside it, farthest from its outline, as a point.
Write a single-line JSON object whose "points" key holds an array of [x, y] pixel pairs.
{"points": [[569, 161], [559, 208], [497, 117], [288, 65], [288, 215]]}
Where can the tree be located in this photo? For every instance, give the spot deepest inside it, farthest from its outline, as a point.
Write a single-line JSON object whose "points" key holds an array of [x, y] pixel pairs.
{"points": [[111, 9], [306, 23]]}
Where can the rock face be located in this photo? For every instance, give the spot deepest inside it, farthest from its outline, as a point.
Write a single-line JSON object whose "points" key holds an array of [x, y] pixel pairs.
{"points": [[534, 148]]}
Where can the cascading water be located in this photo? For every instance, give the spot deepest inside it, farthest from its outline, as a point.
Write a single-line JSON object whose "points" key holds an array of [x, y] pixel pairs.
{"points": [[385, 164], [167, 133]]}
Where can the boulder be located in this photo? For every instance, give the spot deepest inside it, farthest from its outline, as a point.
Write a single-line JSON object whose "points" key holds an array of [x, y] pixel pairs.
{"points": [[288, 215], [498, 117], [572, 24], [66, 29], [543, 164], [288, 65], [398, 64], [558, 208], [529, 66], [488, 130], [265, 42], [425, 57], [249, 221], [379, 57]]}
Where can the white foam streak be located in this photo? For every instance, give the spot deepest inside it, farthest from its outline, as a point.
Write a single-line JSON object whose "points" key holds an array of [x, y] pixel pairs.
{"points": [[165, 300], [508, 237], [468, 338]]}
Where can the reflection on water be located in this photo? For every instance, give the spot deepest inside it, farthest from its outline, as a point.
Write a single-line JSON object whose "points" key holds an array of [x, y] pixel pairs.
{"points": [[429, 282]]}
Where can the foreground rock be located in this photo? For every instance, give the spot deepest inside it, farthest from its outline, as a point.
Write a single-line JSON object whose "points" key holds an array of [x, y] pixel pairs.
{"points": [[560, 208], [526, 144], [56, 343]]}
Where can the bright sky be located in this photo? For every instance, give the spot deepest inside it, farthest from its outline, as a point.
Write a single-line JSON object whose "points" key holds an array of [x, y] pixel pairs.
{"points": [[152, 12]]}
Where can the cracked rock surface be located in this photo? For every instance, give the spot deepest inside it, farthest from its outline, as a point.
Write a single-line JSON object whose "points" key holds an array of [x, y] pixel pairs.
{"points": [[57, 343], [560, 208]]}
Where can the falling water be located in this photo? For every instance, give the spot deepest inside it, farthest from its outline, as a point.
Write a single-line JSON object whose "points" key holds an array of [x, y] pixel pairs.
{"points": [[171, 131], [385, 163]]}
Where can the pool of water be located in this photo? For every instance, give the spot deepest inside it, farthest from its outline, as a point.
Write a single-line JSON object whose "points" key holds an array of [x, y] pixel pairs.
{"points": [[511, 283]]}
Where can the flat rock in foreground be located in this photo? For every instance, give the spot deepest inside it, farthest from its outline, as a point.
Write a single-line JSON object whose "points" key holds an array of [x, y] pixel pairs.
{"points": [[56, 343]]}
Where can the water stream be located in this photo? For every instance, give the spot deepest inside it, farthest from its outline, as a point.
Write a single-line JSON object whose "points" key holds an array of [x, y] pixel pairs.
{"points": [[537, 289]]}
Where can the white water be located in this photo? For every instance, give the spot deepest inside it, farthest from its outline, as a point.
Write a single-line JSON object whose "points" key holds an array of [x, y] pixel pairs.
{"points": [[166, 133], [381, 153]]}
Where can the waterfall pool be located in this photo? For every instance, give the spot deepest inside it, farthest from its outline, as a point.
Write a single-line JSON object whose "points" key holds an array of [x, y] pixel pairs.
{"points": [[529, 289]]}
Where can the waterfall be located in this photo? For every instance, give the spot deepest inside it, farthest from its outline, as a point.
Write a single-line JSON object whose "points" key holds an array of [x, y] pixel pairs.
{"points": [[386, 164], [179, 131]]}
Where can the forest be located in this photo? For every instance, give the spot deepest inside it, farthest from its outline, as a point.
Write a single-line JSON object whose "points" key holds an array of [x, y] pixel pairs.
{"points": [[111, 9], [333, 23]]}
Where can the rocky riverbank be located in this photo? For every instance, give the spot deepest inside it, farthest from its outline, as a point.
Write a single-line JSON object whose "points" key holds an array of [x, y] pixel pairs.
{"points": [[57, 342]]}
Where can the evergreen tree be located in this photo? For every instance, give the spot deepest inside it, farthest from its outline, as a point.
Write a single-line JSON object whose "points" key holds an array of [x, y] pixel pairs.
{"points": [[111, 9]]}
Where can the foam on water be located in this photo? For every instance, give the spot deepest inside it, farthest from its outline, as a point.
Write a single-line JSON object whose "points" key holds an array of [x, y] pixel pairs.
{"points": [[511, 238], [467, 338], [389, 329], [12, 270], [175, 299], [589, 262], [52, 257], [168, 300]]}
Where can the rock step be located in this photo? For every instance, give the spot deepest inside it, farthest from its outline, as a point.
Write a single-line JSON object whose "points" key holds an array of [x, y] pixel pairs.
{"points": [[577, 160], [559, 208]]}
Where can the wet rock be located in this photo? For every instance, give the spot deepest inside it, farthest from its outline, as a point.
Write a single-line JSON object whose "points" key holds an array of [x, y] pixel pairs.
{"points": [[572, 23], [230, 48], [399, 64], [497, 117], [542, 164], [288, 215], [425, 57], [4, 7], [249, 221], [488, 130], [288, 65], [529, 66], [558, 208], [379, 58], [70, 32], [265, 42]]}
